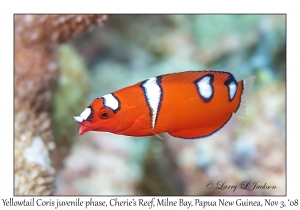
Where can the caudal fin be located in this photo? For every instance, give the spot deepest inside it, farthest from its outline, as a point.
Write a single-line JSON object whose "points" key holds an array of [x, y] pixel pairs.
{"points": [[247, 84]]}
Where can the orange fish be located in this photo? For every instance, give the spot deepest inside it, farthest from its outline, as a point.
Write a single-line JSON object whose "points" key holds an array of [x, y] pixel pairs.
{"points": [[187, 105]]}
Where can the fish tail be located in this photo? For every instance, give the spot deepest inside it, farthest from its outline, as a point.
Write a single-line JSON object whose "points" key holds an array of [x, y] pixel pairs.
{"points": [[247, 86]]}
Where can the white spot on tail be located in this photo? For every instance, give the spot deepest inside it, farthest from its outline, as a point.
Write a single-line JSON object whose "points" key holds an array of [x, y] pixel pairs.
{"points": [[204, 87], [111, 102], [153, 95], [232, 89]]}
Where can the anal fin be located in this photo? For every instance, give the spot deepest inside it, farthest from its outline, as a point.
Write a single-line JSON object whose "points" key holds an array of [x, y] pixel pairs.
{"points": [[163, 136], [197, 133]]}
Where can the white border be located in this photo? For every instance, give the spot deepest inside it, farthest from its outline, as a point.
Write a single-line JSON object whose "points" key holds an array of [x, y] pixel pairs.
{"points": [[293, 75]]}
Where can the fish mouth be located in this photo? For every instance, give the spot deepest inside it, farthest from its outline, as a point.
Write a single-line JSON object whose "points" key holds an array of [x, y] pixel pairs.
{"points": [[82, 129]]}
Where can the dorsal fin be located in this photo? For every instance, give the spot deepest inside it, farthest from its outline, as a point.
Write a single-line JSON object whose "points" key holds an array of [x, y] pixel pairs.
{"points": [[191, 76]]}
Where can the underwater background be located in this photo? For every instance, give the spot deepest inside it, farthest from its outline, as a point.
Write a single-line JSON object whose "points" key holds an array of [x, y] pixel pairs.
{"points": [[84, 62]]}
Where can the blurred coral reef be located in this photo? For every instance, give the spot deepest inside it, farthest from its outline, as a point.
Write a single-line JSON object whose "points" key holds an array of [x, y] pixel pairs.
{"points": [[69, 98], [128, 49], [36, 73]]}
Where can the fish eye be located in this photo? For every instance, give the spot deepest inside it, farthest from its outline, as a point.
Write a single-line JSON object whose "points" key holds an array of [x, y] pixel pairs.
{"points": [[104, 115]]}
